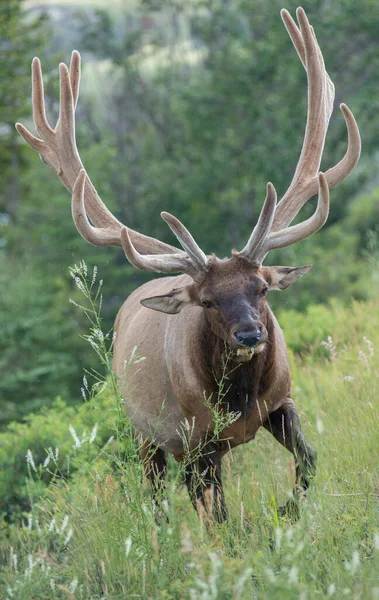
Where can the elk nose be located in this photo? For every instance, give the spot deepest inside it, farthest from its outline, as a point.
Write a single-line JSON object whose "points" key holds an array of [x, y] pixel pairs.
{"points": [[249, 338]]}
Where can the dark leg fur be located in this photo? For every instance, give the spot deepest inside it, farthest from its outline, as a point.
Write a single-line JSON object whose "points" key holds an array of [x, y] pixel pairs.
{"points": [[203, 480], [284, 424]]}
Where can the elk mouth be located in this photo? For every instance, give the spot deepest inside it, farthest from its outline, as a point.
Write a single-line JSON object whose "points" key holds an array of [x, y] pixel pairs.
{"points": [[245, 354]]}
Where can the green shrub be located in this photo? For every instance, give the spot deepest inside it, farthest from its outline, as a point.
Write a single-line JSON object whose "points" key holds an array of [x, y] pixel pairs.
{"points": [[46, 437]]}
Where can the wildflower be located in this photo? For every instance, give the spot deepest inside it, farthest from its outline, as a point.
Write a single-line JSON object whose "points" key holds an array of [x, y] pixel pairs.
{"points": [[51, 525], [93, 434], [85, 382], [186, 541], [278, 537], [331, 589], [320, 426], [15, 561], [64, 523], [30, 521], [75, 437], [329, 345], [293, 575], [348, 378], [94, 273], [363, 358], [83, 391], [128, 545], [376, 541], [68, 536], [30, 460], [73, 585], [354, 563], [241, 582], [98, 333], [370, 346]]}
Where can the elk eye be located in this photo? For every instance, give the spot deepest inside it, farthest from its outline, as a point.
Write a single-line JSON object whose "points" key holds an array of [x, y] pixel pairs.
{"points": [[263, 292], [207, 303]]}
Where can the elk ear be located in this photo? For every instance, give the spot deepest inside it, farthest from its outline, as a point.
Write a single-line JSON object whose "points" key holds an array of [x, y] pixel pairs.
{"points": [[171, 303], [280, 278]]}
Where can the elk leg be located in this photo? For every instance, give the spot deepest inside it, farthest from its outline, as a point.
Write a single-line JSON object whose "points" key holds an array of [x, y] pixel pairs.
{"points": [[155, 466], [204, 484], [284, 424]]}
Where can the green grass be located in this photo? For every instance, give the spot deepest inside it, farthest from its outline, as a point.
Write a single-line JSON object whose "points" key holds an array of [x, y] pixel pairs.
{"points": [[105, 541]]}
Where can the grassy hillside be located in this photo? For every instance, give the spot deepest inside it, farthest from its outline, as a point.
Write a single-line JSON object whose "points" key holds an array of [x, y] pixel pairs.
{"points": [[90, 528]]}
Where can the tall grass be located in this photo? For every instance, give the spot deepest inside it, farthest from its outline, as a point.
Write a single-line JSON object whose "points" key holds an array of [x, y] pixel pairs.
{"points": [[98, 533]]}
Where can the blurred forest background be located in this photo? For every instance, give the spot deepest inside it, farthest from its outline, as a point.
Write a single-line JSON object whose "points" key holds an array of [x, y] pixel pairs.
{"points": [[185, 106]]}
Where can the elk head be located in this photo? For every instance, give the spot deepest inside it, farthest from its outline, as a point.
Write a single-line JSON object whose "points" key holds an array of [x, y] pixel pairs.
{"points": [[232, 291]]}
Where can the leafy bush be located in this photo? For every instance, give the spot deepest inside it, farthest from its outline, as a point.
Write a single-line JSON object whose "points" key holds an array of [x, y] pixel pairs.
{"points": [[42, 450]]}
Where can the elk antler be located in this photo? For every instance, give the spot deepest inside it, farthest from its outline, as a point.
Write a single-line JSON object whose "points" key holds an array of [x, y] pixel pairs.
{"points": [[272, 229], [193, 261], [57, 148]]}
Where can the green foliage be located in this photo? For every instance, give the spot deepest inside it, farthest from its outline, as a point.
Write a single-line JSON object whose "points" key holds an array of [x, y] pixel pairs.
{"points": [[47, 437]]}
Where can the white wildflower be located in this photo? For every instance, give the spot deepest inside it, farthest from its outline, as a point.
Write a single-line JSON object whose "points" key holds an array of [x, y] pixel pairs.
{"points": [[270, 574], [331, 589], [79, 284], [64, 523], [46, 461], [52, 584], [241, 582], [320, 426], [293, 575], [68, 536], [56, 453], [93, 434], [51, 525], [376, 541], [370, 346], [98, 333], [83, 391], [128, 545], [363, 358], [15, 561], [354, 563], [85, 382], [73, 585], [75, 437], [30, 460], [94, 273], [329, 345], [30, 521], [348, 378], [278, 538]]}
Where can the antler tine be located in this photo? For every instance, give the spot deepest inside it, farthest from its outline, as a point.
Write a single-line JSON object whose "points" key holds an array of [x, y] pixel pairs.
{"points": [[320, 105], [75, 75], [186, 240], [301, 231], [164, 263], [263, 225], [57, 148]]}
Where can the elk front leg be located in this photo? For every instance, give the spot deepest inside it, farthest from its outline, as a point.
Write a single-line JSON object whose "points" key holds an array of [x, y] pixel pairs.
{"points": [[284, 424], [204, 484]]}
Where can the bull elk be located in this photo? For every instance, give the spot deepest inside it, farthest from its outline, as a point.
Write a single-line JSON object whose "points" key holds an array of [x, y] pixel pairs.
{"points": [[224, 315]]}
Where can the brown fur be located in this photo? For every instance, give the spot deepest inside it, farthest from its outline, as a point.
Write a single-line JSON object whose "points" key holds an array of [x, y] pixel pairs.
{"points": [[184, 354]]}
